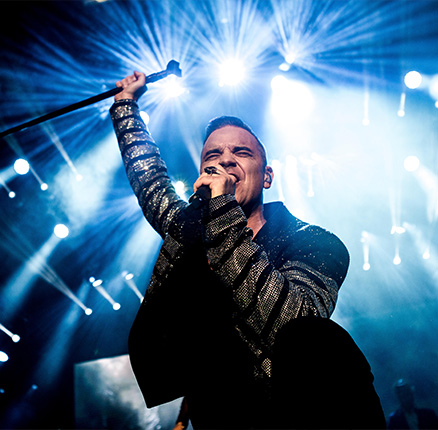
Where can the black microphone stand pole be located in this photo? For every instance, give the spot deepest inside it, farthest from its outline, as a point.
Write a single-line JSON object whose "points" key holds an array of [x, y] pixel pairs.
{"points": [[171, 69]]}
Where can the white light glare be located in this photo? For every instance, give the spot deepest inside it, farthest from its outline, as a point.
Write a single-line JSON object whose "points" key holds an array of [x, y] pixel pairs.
{"points": [[116, 306], [97, 283], [15, 338], [88, 311], [413, 79], [44, 186], [3, 357], [61, 231], [231, 72], [11, 194], [397, 260], [180, 188], [397, 229], [21, 166], [291, 100], [173, 88], [411, 163], [426, 255], [144, 117]]}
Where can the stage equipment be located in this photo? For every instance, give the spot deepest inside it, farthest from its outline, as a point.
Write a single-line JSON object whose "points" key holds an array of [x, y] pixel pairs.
{"points": [[171, 69]]}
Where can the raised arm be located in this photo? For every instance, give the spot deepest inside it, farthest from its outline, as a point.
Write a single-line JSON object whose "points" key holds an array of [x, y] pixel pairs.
{"points": [[147, 172]]}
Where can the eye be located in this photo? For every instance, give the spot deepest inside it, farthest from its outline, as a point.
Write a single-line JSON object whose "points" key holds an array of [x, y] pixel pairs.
{"points": [[244, 153], [211, 156]]}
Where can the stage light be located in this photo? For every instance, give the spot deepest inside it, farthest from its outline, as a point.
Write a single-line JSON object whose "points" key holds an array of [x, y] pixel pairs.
{"points": [[397, 260], [21, 166], [180, 188], [365, 238], [11, 194], [79, 177], [413, 79], [15, 338], [144, 117], [401, 108], [396, 229], [291, 100], [61, 231], [97, 283], [231, 72], [411, 163], [290, 58], [173, 88], [426, 255], [116, 306], [131, 284], [3, 357], [88, 311], [44, 186]]}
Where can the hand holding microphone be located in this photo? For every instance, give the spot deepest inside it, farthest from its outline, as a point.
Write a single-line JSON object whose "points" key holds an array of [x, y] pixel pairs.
{"points": [[213, 182]]}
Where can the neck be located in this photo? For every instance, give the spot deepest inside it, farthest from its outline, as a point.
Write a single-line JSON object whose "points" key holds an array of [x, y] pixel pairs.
{"points": [[256, 220]]}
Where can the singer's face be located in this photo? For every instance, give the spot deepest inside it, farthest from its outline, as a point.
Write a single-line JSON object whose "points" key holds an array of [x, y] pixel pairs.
{"points": [[239, 154]]}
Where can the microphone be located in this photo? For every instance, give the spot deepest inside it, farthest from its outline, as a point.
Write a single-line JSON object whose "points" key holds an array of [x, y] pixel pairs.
{"points": [[203, 193]]}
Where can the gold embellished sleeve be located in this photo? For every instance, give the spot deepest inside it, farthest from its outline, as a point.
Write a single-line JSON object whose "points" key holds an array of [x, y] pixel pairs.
{"points": [[146, 170]]}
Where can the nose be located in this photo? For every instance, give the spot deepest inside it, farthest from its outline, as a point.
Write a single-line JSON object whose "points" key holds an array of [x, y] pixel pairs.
{"points": [[227, 159]]}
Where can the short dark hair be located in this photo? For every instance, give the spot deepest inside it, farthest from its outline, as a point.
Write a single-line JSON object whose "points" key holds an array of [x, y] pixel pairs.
{"points": [[226, 120]]}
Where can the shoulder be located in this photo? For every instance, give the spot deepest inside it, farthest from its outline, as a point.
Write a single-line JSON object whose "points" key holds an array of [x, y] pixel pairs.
{"points": [[310, 244]]}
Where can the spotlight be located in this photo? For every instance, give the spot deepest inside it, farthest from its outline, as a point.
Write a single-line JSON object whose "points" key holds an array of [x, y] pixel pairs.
{"points": [[44, 186], [366, 267], [129, 276], [88, 311], [144, 117], [426, 255], [15, 338], [411, 163], [3, 357], [11, 194], [413, 79], [291, 100], [116, 306], [97, 283], [290, 58], [231, 72], [79, 177], [180, 188], [21, 166], [397, 229], [61, 231], [284, 67], [397, 260], [173, 87]]}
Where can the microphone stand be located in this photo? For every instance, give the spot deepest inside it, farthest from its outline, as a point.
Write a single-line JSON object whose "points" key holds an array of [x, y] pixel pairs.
{"points": [[171, 69]]}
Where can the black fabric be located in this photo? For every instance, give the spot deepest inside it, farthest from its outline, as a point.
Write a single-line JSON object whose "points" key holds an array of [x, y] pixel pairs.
{"points": [[322, 380], [427, 419]]}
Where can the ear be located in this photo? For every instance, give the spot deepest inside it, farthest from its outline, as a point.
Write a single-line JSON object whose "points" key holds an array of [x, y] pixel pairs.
{"points": [[269, 177]]}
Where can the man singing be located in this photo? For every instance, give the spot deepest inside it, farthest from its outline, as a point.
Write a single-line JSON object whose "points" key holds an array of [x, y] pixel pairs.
{"points": [[236, 315]]}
